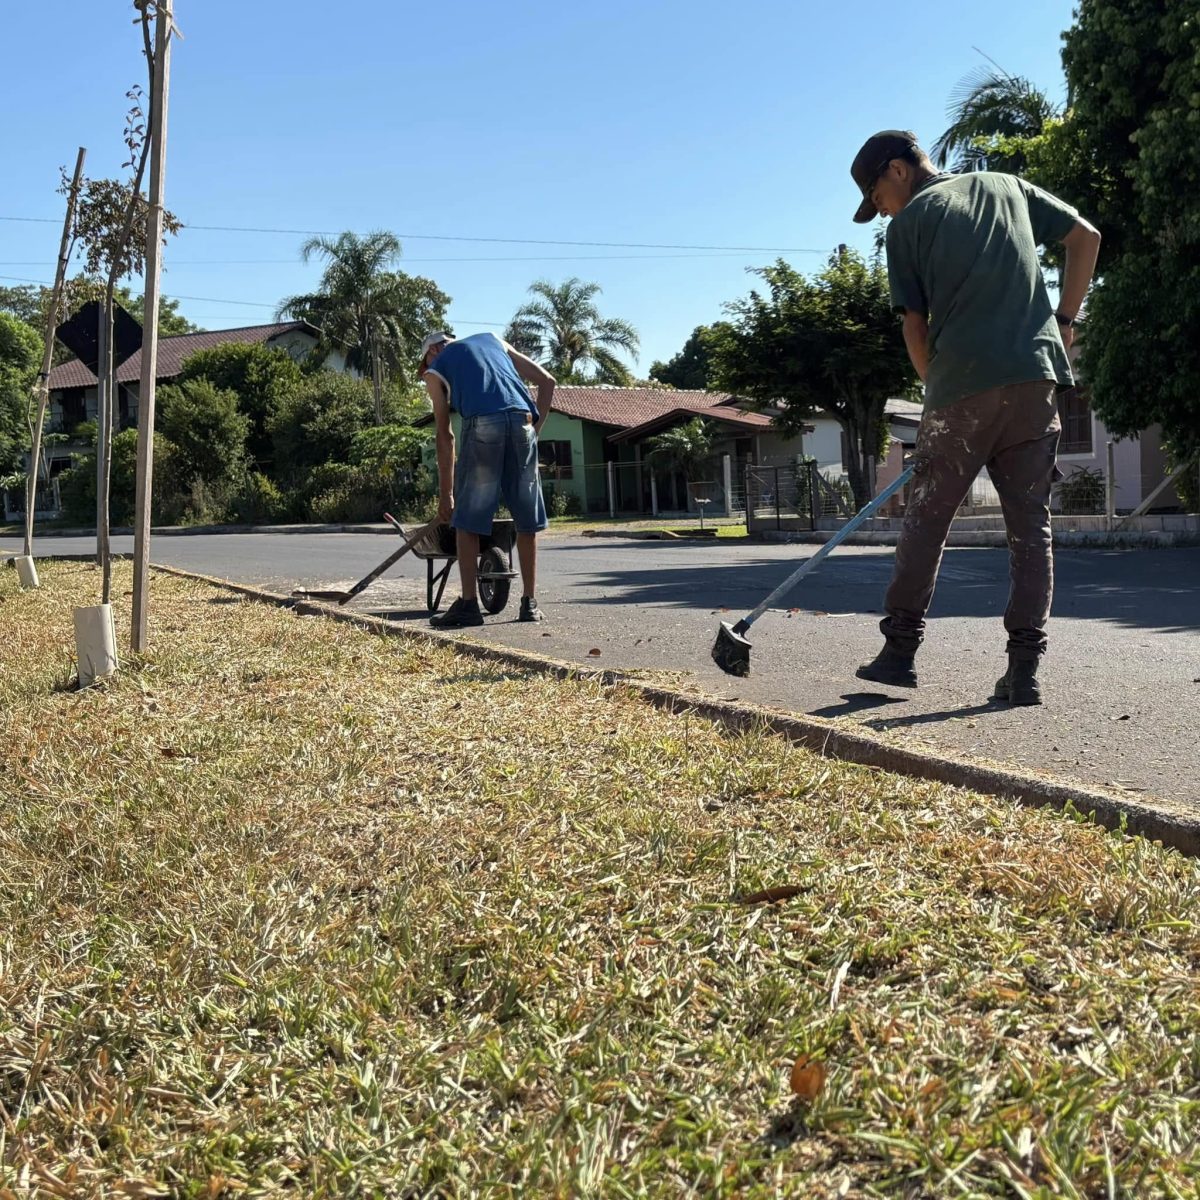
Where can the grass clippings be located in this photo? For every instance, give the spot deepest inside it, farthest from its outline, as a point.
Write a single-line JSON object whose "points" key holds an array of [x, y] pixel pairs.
{"points": [[289, 908]]}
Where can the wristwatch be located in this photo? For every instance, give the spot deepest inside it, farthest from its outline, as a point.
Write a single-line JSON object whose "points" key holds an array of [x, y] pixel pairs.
{"points": [[1063, 319]]}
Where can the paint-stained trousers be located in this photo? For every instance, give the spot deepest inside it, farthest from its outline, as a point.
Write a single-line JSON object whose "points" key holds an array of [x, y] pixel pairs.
{"points": [[1013, 431]]}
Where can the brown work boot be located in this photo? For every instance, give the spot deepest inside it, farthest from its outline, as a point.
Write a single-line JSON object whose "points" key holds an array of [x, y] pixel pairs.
{"points": [[1019, 685]]}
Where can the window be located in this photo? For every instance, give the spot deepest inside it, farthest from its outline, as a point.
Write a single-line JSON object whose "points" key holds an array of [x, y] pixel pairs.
{"points": [[1076, 417], [555, 459]]}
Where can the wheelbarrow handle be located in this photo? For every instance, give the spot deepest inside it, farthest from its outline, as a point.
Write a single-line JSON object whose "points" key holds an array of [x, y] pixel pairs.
{"points": [[367, 580]]}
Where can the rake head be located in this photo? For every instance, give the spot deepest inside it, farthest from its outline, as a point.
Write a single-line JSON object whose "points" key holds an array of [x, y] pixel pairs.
{"points": [[731, 650]]}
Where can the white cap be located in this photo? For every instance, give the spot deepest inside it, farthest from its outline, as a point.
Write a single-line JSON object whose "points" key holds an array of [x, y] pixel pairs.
{"points": [[434, 339]]}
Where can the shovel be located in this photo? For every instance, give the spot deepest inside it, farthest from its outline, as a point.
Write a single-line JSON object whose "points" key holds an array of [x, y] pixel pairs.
{"points": [[366, 581], [731, 651]]}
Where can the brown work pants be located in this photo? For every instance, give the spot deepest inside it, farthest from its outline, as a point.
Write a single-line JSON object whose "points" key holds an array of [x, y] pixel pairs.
{"points": [[1013, 431]]}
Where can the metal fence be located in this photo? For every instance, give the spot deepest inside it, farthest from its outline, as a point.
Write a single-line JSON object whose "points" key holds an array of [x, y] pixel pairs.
{"points": [[778, 495], [645, 489]]}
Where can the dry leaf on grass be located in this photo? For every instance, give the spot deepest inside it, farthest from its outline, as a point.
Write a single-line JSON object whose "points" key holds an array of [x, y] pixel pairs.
{"points": [[808, 1078]]}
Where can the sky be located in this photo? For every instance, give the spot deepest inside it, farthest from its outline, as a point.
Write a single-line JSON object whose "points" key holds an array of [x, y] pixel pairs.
{"points": [[489, 138]]}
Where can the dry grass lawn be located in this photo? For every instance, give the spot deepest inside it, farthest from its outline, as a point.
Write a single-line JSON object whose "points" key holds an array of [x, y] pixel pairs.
{"points": [[290, 908]]}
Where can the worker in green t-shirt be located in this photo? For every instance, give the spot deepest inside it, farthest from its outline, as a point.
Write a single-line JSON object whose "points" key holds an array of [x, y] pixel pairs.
{"points": [[962, 253]]}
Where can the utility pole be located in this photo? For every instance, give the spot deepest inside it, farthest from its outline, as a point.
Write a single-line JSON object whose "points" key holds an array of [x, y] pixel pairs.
{"points": [[163, 26], [43, 380]]}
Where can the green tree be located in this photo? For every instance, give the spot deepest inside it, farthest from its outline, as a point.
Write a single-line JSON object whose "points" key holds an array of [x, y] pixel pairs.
{"points": [[828, 344], [261, 377], [20, 360], [687, 448], [563, 329], [693, 366], [1133, 75], [988, 105], [27, 303], [208, 432], [317, 424], [373, 314]]}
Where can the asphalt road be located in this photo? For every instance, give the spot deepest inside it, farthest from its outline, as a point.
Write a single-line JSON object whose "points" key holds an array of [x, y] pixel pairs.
{"points": [[1122, 680]]}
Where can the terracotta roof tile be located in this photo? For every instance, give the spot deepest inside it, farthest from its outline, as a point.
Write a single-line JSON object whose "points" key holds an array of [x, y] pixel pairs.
{"points": [[726, 414], [172, 351], [624, 408]]}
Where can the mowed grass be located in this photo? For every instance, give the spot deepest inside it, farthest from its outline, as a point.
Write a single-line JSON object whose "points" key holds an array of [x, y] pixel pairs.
{"points": [[290, 908]]}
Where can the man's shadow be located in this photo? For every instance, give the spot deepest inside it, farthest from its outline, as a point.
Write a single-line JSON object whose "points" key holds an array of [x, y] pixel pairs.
{"points": [[854, 702]]}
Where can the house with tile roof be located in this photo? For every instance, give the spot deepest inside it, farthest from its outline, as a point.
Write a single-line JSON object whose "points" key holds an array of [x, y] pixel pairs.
{"points": [[593, 447], [72, 385]]}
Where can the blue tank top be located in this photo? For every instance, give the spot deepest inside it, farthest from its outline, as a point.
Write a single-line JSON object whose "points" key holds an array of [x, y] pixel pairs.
{"points": [[480, 377]]}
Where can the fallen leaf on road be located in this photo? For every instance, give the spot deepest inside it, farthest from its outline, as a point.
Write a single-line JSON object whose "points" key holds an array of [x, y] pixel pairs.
{"points": [[1123, 717], [594, 652], [808, 1078]]}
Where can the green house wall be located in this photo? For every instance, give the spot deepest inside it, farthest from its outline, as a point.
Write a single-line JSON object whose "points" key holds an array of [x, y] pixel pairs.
{"points": [[588, 455]]}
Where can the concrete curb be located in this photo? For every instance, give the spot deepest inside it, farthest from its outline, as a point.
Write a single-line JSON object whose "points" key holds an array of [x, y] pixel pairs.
{"points": [[1171, 824]]}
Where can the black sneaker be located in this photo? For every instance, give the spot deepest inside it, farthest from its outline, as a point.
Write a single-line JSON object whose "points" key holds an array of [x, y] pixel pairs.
{"points": [[459, 615], [529, 609]]}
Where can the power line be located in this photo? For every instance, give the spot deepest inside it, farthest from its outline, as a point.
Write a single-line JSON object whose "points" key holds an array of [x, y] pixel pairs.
{"points": [[240, 303], [437, 237], [249, 262]]}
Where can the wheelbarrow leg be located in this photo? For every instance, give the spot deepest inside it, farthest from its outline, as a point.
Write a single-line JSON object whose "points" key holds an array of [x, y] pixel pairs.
{"points": [[436, 580]]}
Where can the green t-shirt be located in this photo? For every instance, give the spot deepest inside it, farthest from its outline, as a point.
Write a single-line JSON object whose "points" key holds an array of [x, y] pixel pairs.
{"points": [[964, 251]]}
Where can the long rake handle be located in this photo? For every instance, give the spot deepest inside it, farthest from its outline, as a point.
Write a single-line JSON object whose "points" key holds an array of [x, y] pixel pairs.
{"points": [[838, 538], [367, 580]]}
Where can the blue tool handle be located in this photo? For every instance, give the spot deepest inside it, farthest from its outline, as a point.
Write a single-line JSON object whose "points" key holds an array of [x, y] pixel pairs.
{"points": [[834, 542]]}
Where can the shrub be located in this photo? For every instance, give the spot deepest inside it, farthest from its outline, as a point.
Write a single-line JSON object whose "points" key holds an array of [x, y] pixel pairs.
{"points": [[209, 433], [563, 504], [260, 377], [77, 484], [317, 425], [259, 501], [1082, 492]]}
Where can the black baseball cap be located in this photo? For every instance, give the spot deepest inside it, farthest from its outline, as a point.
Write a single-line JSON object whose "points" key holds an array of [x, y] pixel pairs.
{"points": [[877, 151]]}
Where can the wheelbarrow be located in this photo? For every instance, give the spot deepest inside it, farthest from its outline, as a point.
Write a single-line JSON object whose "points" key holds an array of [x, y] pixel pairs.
{"points": [[439, 548], [437, 543]]}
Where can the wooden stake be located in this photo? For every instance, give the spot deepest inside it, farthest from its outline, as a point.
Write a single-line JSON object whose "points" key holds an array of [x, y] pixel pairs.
{"points": [[103, 388], [163, 23], [42, 390]]}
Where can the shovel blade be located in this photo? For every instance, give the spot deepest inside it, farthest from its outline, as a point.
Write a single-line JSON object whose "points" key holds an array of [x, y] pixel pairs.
{"points": [[731, 651]]}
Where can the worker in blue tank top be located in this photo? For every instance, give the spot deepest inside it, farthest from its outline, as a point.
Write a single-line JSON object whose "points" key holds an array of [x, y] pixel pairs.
{"points": [[484, 379]]}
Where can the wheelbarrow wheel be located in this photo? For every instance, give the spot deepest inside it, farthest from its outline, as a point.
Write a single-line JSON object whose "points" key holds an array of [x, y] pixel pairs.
{"points": [[493, 593]]}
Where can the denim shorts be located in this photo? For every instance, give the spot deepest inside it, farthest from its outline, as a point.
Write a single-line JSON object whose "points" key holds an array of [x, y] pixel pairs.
{"points": [[498, 459]]}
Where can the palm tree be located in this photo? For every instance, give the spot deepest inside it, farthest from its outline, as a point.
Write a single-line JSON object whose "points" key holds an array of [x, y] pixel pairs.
{"points": [[685, 450], [990, 103], [374, 314], [563, 329]]}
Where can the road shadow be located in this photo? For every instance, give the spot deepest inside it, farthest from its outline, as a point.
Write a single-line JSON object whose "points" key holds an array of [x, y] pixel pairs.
{"points": [[395, 614], [1141, 589], [853, 702], [881, 724]]}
